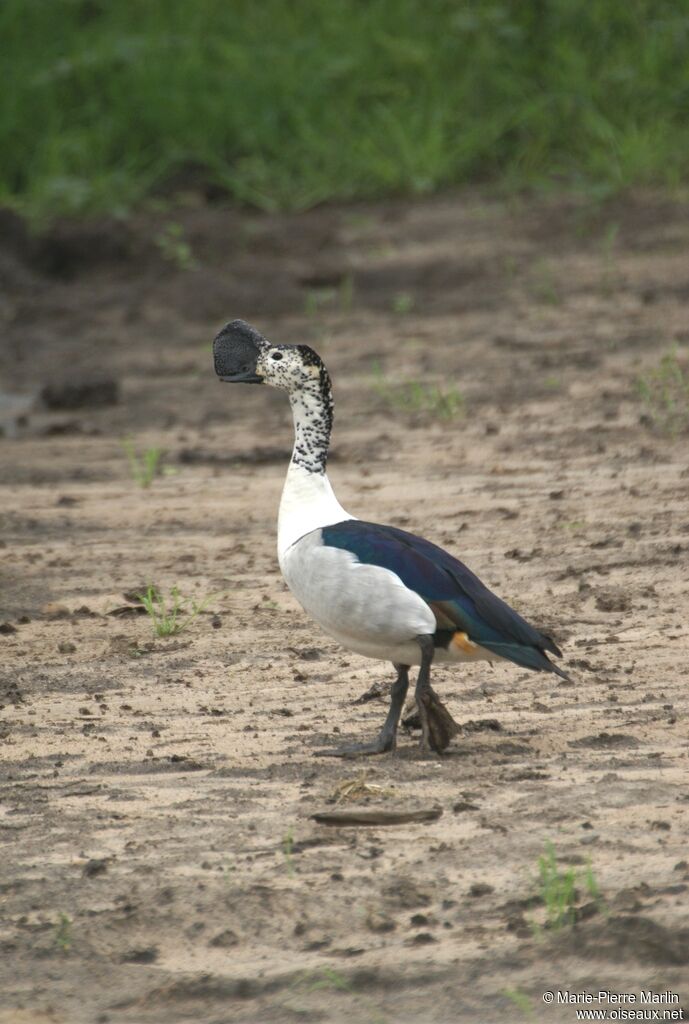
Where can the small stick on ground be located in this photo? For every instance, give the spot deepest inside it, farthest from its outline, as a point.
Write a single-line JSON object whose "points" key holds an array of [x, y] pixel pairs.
{"points": [[376, 816]]}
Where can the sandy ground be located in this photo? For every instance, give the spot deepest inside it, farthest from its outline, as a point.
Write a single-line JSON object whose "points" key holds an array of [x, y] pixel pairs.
{"points": [[159, 860]]}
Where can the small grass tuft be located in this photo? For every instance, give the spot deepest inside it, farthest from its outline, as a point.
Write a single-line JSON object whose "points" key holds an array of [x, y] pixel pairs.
{"points": [[544, 284], [146, 467], [403, 303], [415, 397], [346, 293], [171, 615], [573, 524], [175, 248], [63, 933], [318, 299], [228, 869], [326, 979], [664, 392], [610, 278], [558, 889], [329, 298], [591, 884], [521, 1001], [287, 850]]}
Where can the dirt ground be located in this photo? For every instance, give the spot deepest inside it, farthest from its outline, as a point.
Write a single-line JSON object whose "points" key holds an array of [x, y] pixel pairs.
{"points": [[160, 861]]}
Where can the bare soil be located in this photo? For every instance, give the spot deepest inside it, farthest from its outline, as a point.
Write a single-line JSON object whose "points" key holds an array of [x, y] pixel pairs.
{"points": [[160, 861]]}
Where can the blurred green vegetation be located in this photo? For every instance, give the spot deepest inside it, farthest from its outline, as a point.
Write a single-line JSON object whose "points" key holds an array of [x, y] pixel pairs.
{"points": [[286, 104]]}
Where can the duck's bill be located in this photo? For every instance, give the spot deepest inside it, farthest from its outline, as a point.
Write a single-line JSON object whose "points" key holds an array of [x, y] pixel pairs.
{"points": [[244, 377]]}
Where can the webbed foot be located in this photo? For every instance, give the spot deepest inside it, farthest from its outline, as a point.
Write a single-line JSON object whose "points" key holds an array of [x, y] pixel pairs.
{"points": [[380, 745], [438, 727]]}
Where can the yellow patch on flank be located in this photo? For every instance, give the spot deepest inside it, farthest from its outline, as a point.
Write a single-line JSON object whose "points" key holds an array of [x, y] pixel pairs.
{"points": [[462, 642]]}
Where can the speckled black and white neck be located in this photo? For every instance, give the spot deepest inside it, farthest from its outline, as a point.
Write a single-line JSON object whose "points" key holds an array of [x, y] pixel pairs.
{"points": [[308, 502], [312, 411]]}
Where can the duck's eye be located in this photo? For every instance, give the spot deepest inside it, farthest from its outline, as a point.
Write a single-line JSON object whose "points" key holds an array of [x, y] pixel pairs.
{"points": [[276, 355]]}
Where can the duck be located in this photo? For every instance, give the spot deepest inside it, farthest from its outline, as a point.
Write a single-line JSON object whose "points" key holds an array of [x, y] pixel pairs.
{"points": [[377, 590]]}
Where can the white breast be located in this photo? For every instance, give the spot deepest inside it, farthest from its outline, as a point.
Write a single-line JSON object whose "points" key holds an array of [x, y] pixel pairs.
{"points": [[308, 502], [367, 608]]}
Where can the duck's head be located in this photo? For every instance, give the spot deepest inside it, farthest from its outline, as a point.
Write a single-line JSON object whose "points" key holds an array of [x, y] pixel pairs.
{"points": [[243, 356]]}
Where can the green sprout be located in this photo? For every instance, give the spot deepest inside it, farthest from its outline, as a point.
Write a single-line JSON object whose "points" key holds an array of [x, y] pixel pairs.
{"points": [[175, 248], [558, 889], [63, 933], [403, 303], [415, 397], [171, 615], [144, 468], [664, 391], [287, 850]]}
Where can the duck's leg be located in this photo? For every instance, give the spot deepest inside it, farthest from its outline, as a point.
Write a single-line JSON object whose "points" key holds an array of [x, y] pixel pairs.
{"points": [[437, 724], [423, 686], [387, 737]]}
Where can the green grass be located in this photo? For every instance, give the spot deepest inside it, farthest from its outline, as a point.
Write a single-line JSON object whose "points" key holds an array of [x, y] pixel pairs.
{"points": [[170, 615], [287, 105], [328, 980], [228, 870], [544, 285], [288, 851], [146, 467], [63, 933], [664, 392], [558, 888], [331, 298], [403, 303], [325, 979], [521, 1001], [175, 248], [413, 397]]}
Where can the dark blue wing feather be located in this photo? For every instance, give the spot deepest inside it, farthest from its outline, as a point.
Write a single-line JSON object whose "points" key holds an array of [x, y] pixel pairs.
{"points": [[444, 581]]}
